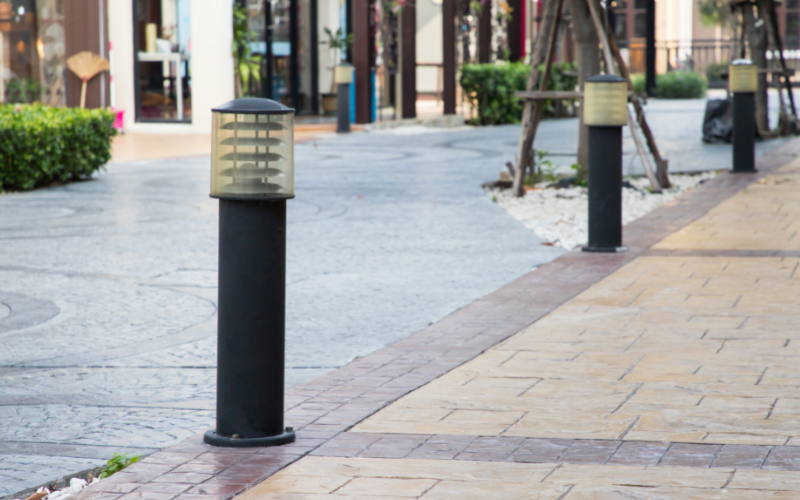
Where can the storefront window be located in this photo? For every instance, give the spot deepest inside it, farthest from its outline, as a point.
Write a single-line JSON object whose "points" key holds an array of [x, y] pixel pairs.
{"points": [[32, 52], [162, 44], [275, 47]]}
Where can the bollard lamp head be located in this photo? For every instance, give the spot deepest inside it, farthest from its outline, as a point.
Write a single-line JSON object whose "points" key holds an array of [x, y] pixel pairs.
{"points": [[605, 101], [742, 76], [252, 150], [343, 73]]}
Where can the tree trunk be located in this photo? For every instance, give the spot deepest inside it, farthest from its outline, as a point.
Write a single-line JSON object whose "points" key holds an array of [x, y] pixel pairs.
{"points": [[757, 39], [588, 57]]}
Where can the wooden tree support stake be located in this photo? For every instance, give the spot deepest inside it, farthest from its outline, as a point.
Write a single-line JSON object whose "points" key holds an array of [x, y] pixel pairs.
{"points": [[532, 110]]}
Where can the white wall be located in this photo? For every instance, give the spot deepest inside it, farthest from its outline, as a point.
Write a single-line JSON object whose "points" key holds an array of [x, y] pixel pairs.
{"points": [[212, 63], [328, 17], [212, 59], [429, 43]]}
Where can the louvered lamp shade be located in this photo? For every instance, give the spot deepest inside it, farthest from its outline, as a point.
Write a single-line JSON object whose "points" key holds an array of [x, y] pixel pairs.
{"points": [[252, 150]]}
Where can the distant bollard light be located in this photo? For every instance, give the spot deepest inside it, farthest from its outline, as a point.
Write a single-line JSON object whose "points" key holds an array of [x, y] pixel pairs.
{"points": [[252, 175], [743, 84], [343, 77], [605, 111]]}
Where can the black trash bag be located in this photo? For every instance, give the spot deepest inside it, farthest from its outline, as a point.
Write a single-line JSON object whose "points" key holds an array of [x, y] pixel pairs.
{"points": [[718, 122]]}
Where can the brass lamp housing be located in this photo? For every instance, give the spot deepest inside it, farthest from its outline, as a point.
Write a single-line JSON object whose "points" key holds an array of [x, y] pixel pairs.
{"points": [[605, 101], [252, 150], [742, 76], [343, 73]]}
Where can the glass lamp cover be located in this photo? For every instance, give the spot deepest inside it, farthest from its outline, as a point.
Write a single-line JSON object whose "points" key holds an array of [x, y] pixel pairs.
{"points": [[742, 76], [252, 156], [605, 101]]}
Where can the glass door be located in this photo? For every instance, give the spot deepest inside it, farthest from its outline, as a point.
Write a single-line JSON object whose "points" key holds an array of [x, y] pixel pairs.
{"points": [[162, 52], [282, 33]]}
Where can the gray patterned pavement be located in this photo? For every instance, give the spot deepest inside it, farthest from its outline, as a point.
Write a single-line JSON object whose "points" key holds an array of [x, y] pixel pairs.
{"points": [[108, 287]]}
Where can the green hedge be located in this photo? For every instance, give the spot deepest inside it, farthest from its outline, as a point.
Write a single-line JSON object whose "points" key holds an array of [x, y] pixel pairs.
{"points": [[40, 144], [492, 87], [714, 71], [674, 85]]}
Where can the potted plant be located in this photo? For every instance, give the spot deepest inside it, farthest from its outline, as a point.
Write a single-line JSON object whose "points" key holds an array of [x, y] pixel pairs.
{"points": [[336, 42]]}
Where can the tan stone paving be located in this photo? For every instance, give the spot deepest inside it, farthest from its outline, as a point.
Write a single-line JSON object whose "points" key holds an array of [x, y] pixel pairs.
{"points": [[701, 349], [317, 478], [688, 349], [765, 216]]}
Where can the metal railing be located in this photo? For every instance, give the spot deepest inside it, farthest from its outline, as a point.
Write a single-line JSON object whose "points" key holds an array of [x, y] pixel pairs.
{"points": [[700, 55]]}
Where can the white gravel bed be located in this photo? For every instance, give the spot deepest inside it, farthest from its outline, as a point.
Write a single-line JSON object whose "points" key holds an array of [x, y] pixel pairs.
{"points": [[560, 216]]}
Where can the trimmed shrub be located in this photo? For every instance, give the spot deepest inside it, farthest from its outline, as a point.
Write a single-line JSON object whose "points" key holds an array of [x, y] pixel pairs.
{"points": [[714, 71], [41, 144], [674, 85], [491, 88], [681, 85]]}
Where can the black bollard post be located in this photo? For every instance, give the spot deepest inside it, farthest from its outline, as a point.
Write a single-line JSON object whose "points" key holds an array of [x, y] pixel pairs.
{"points": [[252, 175], [743, 84], [343, 76], [605, 112]]}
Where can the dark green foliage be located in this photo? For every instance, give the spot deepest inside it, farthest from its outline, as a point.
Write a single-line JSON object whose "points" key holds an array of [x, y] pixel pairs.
{"points": [[680, 85], [40, 144], [639, 82], [714, 71], [581, 174], [543, 170], [492, 87], [674, 85], [23, 90], [118, 462]]}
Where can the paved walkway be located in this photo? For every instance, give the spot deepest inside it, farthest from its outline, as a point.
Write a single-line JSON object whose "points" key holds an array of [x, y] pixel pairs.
{"points": [[668, 372], [108, 287]]}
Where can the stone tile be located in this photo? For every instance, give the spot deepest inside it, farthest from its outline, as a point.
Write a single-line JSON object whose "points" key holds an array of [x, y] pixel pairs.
{"points": [[783, 458], [169, 458], [638, 453], [136, 495], [541, 450], [162, 487], [184, 477], [217, 489], [202, 467], [690, 455], [589, 451], [114, 487], [741, 456]]}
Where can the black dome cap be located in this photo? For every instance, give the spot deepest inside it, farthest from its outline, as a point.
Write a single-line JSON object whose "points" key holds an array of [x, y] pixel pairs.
{"points": [[605, 78], [253, 106]]}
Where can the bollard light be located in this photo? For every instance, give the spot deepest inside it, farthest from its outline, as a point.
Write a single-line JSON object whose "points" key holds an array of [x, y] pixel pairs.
{"points": [[743, 84], [605, 102], [343, 77], [605, 111], [252, 175]]}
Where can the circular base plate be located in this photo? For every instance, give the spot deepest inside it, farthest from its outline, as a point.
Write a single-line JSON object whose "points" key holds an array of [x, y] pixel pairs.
{"points": [[604, 249], [213, 439]]}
